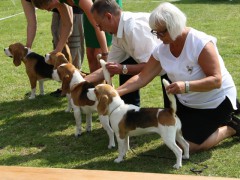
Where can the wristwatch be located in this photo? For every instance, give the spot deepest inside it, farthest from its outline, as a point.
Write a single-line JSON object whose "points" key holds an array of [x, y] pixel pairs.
{"points": [[124, 69]]}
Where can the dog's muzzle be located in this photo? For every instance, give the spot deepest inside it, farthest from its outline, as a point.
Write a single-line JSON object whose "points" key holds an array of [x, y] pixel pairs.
{"points": [[47, 57], [55, 76], [91, 94], [7, 52]]}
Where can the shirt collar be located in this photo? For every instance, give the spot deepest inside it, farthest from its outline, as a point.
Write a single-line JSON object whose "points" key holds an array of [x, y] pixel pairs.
{"points": [[120, 27]]}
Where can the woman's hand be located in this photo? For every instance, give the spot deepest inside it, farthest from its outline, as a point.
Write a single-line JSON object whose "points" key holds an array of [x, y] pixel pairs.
{"points": [[176, 88]]}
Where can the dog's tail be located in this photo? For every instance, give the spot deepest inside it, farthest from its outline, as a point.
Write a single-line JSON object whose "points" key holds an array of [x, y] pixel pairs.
{"points": [[171, 97], [106, 74]]}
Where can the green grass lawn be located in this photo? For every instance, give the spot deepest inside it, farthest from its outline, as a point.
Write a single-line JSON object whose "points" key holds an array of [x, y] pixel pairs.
{"points": [[39, 133]]}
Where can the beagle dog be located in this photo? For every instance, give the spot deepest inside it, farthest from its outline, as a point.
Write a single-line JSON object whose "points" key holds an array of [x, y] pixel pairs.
{"points": [[74, 85], [129, 120], [56, 59], [36, 67]]}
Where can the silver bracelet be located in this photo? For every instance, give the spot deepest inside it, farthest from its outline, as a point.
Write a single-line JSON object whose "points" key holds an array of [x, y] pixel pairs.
{"points": [[186, 86]]}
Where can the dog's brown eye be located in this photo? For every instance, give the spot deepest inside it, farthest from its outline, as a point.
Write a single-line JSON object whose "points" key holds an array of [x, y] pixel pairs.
{"points": [[95, 91]]}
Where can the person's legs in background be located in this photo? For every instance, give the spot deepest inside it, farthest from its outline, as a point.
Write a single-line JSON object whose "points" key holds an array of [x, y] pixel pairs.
{"points": [[55, 30], [92, 45], [76, 40], [55, 27]]}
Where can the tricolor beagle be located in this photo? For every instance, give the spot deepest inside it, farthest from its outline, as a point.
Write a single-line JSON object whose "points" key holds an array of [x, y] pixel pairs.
{"points": [[74, 85], [56, 59], [36, 67], [129, 120]]}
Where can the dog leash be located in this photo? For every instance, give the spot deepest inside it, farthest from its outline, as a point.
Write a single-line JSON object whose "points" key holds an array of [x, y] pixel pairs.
{"points": [[196, 170]]}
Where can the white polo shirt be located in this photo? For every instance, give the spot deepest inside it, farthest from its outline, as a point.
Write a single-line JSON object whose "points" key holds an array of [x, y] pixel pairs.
{"points": [[133, 39]]}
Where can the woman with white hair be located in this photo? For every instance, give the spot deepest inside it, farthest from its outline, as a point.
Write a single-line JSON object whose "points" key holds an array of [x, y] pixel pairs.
{"points": [[205, 91]]}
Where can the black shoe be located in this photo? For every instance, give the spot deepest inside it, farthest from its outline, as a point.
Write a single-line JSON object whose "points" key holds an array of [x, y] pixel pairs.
{"points": [[235, 124], [56, 93]]}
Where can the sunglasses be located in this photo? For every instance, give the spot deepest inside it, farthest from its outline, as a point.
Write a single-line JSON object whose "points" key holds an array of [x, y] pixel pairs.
{"points": [[157, 33]]}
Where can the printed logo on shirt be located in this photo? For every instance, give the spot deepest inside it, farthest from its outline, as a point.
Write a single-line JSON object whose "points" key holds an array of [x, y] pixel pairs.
{"points": [[189, 69]]}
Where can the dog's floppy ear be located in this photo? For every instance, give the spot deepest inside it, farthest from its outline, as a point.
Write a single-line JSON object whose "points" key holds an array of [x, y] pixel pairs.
{"points": [[17, 59], [61, 57], [102, 106], [19, 52], [67, 53], [65, 84]]}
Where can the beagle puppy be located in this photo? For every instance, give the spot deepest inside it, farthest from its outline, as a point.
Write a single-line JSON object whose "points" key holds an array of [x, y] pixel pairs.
{"points": [[36, 67], [56, 59], [129, 120], [74, 85]]}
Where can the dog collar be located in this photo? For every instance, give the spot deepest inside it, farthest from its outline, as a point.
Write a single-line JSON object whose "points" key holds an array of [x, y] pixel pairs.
{"points": [[115, 109], [28, 52]]}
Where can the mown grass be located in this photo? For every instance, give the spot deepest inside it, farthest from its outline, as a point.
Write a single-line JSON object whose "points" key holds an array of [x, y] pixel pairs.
{"points": [[39, 133]]}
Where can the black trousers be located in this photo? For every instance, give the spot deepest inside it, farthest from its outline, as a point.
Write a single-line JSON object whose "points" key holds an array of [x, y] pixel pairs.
{"points": [[165, 98], [133, 97]]}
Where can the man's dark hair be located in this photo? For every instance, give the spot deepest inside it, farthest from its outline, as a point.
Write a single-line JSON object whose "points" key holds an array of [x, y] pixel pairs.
{"points": [[103, 6]]}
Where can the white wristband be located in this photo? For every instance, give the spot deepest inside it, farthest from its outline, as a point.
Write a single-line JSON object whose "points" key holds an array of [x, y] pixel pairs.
{"points": [[186, 86]]}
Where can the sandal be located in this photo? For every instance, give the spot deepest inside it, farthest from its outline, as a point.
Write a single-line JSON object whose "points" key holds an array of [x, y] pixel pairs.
{"points": [[56, 93], [235, 124]]}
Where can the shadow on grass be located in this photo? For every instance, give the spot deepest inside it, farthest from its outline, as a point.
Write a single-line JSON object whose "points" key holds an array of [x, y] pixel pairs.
{"points": [[206, 2], [31, 132], [47, 140], [158, 160], [12, 108], [43, 133]]}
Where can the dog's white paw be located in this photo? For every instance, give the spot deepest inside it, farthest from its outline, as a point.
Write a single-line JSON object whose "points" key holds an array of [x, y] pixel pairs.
{"points": [[177, 166], [110, 146], [78, 133], [32, 97], [111, 142], [118, 160], [89, 129], [185, 156], [68, 110]]}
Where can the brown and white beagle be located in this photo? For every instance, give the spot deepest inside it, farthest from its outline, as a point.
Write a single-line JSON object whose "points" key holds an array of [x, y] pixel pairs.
{"points": [[36, 67], [76, 88], [128, 120], [56, 59]]}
